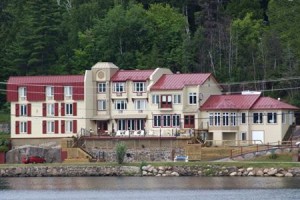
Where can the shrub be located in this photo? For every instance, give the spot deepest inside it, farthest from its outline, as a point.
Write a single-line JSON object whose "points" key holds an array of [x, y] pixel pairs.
{"points": [[273, 156], [121, 149]]}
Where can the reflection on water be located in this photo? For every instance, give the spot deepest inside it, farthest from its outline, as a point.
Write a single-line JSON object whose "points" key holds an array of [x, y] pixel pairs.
{"points": [[149, 188]]}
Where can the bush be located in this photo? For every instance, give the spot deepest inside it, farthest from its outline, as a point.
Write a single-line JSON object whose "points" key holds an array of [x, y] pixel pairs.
{"points": [[273, 156], [121, 149]]}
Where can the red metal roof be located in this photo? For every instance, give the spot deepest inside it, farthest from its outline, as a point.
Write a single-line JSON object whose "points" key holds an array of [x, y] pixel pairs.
{"points": [[132, 75], [178, 81], [46, 79], [268, 103], [229, 102]]}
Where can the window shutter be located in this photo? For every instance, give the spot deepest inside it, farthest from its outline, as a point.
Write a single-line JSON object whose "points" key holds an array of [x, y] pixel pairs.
{"points": [[29, 127], [44, 127], [29, 110], [56, 109], [17, 110], [17, 127], [44, 109], [62, 109], [62, 126], [56, 126], [74, 126], [74, 109]]}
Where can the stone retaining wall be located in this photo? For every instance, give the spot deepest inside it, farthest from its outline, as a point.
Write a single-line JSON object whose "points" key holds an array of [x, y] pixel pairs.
{"points": [[208, 170]]}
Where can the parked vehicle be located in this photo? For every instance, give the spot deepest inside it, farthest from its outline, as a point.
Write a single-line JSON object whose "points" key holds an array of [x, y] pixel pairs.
{"points": [[33, 159]]}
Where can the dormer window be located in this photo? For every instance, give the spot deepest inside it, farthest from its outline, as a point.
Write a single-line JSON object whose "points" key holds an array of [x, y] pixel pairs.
{"points": [[119, 87], [22, 93], [139, 87], [50, 91], [68, 91]]}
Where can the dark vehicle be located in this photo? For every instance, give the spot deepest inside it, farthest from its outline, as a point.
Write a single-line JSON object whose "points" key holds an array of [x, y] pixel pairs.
{"points": [[33, 159]]}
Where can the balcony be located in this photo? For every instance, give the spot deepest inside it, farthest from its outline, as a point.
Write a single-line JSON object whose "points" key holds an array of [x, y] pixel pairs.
{"points": [[223, 128]]}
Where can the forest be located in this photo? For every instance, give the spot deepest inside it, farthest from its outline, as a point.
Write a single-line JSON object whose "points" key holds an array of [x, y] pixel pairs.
{"points": [[246, 44]]}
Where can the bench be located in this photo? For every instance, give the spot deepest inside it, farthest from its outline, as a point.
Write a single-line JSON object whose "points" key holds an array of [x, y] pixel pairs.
{"points": [[181, 158]]}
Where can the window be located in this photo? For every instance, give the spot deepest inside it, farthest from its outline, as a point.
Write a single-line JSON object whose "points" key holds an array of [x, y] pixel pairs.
{"points": [[243, 136], [166, 101], [50, 126], [189, 121], [50, 109], [23, 127], [217, 118], [166, 120], [120, 105], [156, 120], [155, 99], [23, 93], [140, 104], [272, 118], [283, 117], [192, 98], [23, 110], [233, 119], [101, 104], [225, 119], [257, 118], [176, 120], [69, 126], [122, 124], [68, 90], [177, 99], [140, 124], [211, 119], [119, 87], [49, 91], [243, 118], [130, 124], [69, 109], [139, 87], [101, 87]]}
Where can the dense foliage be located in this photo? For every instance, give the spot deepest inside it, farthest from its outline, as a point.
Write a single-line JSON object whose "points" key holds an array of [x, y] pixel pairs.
{"points": [[248, 44]]}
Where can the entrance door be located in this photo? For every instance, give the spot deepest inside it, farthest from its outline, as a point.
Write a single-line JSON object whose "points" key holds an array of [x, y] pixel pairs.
{"points": [[258, 137], [102, 128]]}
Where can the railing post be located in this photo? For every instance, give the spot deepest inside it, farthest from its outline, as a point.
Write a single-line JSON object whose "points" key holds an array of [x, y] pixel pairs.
{"points": [[241, 150], [231, 153], [256, 147]]}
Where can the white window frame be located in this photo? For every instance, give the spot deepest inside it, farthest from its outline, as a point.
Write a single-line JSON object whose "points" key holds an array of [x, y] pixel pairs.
{"points": [[69, 126], [225, 119], [50, 109], [155, 99], [140, 104], [166, 120], [243, 117], [260, 118], [139, 86], [217, 119], [192, 98], [119, 87], [120, 105], [243, 136], [101, 87], [23, 110], [68, 91], [121, 124], [272, 118], [101, 104], [22, 93], [283, 117], [23, 127], [50, 126], [177, 99], [49, 91], [157, 121], [211, 119], [175, 120], [69, 109], [233, 119]]}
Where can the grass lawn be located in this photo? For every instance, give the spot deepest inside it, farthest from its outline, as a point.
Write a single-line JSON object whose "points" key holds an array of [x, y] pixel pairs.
{"points": [[4, 117]]}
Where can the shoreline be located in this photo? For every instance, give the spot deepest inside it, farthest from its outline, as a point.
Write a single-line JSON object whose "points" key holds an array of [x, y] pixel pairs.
{"points": [[209, 170]]}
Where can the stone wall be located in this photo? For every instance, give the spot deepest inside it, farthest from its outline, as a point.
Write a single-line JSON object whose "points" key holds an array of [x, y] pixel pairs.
{"points": [[5, 127], [207, 170]]}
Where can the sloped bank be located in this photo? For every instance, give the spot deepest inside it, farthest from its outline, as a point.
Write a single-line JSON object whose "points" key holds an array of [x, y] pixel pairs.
{"points": [[149, 170]]}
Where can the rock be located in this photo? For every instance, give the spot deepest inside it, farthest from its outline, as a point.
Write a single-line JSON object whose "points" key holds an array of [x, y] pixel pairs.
{"points": [[241, 170], [250, 169], [174, 174], [144, 173], [288, 174], [161, 168], [279, 175], [259, 173], [233, 174], [272, 172]]}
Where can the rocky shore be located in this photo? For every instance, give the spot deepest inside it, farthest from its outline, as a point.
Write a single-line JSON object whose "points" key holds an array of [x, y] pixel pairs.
{"points": [[148, 170]]}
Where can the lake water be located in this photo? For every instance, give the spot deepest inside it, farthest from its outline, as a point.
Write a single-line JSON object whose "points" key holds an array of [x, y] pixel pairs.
{"points": [[149, 188]]}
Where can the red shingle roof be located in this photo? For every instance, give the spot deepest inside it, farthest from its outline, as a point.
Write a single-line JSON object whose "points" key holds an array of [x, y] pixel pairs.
{"points": [[178, 81], [132, 75], [268, 103], [46, 79], [244, 102], [229, 102]]}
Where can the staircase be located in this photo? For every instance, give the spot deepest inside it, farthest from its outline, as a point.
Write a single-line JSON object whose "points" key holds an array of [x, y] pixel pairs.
{"points": [[289, 133]]}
